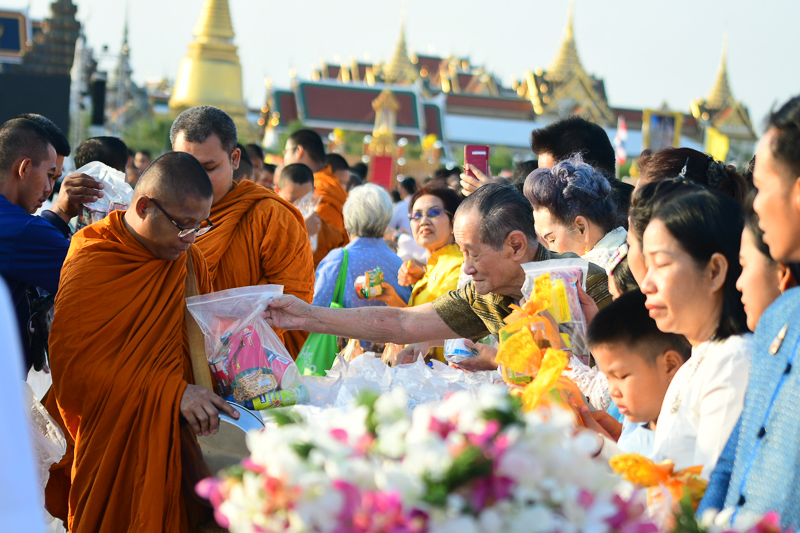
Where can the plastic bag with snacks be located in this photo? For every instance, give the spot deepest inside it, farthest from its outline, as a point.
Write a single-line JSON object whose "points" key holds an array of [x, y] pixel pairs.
{"points": [[117, 193], [565, 275], [48, 440], [352, 350], [247, 359], [307, 205]]}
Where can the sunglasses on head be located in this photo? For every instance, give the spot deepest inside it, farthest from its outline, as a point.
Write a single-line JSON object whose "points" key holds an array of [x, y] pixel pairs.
{"points": [[433, 212]]}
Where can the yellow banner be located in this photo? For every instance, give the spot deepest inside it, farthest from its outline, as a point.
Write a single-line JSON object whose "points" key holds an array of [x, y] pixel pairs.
{"points": [[717, 144]]}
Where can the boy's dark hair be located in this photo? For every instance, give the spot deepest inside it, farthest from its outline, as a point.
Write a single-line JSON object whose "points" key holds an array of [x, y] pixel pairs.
{"points": [[297, 173], [60, 142], [623, 277], [254, 152], [110, 151], [336, 162], [20, 137], [311, 143], [521, 171], [360, 169], [627, 321], [409, 185], [574, 135]]}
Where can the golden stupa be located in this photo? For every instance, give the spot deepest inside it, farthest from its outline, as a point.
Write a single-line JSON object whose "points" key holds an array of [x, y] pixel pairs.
{"points": [[210, 73]]}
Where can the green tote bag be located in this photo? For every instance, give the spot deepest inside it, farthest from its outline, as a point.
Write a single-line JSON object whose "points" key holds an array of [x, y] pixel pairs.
{"points": [[319, 350]]}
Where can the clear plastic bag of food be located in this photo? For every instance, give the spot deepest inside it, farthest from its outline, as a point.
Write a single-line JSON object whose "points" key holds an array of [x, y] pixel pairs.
{"points": [[117, 193], [307, 205], [246, 357], [566, 275]]}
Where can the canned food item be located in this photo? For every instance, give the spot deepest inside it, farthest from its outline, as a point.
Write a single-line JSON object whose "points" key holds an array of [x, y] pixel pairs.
{"points": [[281, 398], [369, 285]]}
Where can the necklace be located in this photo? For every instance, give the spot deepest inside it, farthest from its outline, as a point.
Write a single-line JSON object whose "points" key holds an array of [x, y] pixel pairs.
{"points": [[676, 402]]}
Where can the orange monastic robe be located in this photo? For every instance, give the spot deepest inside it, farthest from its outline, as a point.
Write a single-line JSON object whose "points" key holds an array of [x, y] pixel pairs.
{"points": [[328, 238], [331, 198], [120, 363], [260, 238]]}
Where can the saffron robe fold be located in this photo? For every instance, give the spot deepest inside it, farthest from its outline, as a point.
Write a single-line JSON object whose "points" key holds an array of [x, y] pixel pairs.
{"points": [[120, 363], [260, 239], [331, 199]]}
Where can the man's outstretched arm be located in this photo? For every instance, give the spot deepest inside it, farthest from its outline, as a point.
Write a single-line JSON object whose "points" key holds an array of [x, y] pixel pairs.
{"points": [[382, 324]]}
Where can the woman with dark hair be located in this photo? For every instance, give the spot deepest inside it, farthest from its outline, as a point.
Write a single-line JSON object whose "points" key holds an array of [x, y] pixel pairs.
{"points": [[762, 279], [431, 211], [694, 166], [691, 247], [644, 202], [574, 212]]}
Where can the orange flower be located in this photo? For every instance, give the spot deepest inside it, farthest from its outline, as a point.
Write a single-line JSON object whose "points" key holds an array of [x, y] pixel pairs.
{"points": [[553, 364]]}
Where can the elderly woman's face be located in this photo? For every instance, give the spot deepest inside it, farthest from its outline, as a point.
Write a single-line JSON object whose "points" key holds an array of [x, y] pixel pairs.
{"points": [[555, 235], [430, 224]]}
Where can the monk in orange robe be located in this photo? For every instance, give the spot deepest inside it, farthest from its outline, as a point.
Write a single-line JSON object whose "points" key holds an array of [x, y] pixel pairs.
{"points": [[295, 184], [260, 238], [305, 146], [122, 373]]}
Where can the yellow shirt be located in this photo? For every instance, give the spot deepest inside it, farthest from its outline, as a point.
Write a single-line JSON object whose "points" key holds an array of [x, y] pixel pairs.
{"points": [[441, 275]]}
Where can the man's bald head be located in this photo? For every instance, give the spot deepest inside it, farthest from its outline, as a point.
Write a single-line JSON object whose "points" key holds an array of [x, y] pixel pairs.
{"points": [[173, 176]]}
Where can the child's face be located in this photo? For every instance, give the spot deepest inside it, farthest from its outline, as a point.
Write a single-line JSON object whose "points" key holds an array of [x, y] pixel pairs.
{"points": [[636, 387]]}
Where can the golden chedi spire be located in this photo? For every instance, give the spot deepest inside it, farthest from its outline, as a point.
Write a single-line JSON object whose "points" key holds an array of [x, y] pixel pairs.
{"points": [[400, 69], [210, 72], [721, 96], [566, 61]]}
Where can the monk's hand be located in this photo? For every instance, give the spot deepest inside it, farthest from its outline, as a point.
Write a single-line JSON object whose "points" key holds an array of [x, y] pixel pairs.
{"points": [[485, 360], [410, 273], [470, 184], [411, 353], [389, 296], [200, 407], [76, 190], [288, 312], [313, 225]]}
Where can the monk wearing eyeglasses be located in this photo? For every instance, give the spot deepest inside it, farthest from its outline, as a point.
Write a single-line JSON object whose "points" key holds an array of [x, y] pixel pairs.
{"points": [[122, 373], [259, 238]]}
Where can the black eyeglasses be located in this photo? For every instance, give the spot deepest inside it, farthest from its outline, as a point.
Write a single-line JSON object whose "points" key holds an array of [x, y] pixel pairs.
{"points": [[433, 212], [183, 232]]}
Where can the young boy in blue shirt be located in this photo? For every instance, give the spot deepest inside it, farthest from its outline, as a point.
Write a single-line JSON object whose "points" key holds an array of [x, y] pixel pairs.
{"points": [[639, 362]]}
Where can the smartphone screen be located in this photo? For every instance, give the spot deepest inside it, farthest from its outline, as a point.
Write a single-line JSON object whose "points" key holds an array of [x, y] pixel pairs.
{"points": [[477, 156]]}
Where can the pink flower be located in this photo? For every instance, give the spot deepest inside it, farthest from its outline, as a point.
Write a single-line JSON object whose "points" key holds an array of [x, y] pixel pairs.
{"points": [[492, 427], [442, 428], [339, 434]]}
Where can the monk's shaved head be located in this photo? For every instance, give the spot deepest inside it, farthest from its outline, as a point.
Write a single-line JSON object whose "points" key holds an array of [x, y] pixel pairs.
{"points": [[174, 176]]}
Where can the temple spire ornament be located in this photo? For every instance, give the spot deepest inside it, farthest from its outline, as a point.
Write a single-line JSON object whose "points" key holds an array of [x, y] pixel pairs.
{"points": [[400, 69], [721, 95], [566, 61], [210, 72]]}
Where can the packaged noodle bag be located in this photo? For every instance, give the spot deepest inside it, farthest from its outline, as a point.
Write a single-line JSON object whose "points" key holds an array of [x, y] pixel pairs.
{"points": [[117, 193], [247, 359], [532, 354], [565, 275]]}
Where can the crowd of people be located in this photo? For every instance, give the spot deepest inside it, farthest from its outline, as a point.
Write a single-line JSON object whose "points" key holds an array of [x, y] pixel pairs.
{"points": [[690, 296]]}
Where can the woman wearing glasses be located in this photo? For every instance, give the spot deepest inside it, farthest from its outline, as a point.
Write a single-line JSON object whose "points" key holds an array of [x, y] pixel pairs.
{"points": [[431, 214]]}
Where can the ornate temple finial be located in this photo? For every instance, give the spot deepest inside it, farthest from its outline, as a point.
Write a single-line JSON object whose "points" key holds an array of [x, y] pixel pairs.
{"points": [[400, 69], [566, 60], [721, 95], [214, 23], [210, 72]]}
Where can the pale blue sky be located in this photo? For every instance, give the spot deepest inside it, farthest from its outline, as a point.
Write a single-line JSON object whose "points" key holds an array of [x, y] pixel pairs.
{"points": [[648, 52]]}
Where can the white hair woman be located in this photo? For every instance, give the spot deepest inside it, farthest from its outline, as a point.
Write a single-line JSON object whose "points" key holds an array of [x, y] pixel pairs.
{"points": [[367, 212]]}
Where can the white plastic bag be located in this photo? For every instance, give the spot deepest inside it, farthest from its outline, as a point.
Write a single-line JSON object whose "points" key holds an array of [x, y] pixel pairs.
{"points": [[307, 205], [247, 358], [48, 440], [117, 193], [566, 275]]}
